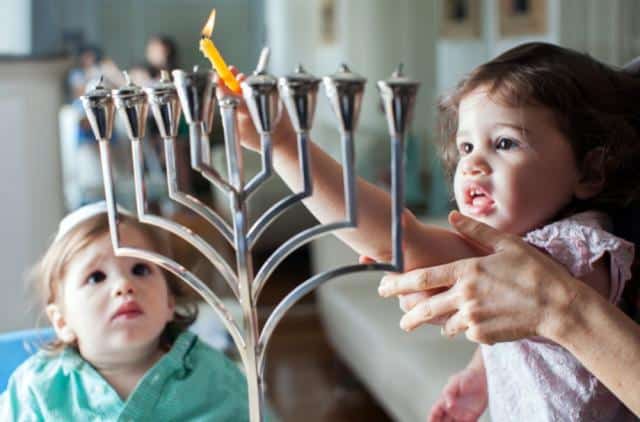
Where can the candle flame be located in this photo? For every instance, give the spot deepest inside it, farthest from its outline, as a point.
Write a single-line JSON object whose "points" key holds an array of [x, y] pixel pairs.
{"points": [[208, 27]]}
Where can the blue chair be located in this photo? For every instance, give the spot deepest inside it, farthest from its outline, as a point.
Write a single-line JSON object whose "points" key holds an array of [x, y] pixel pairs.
{"points": [[17, 346]]}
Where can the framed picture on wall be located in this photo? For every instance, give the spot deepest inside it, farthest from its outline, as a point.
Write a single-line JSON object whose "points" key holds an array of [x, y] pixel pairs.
{"points": [[461, 19], [522, 17], [328, 22]]}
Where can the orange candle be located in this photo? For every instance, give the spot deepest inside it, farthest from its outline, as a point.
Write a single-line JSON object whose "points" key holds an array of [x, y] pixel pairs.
{"points": [[210, 51]]}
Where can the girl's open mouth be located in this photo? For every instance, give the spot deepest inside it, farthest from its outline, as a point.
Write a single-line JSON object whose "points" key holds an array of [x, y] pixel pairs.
{"points": [[477, 200]]}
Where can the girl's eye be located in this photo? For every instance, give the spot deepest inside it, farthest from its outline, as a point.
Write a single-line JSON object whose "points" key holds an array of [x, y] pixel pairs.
{"points": [[141, 270], [506, 143], [96, 277], [465, 148]]}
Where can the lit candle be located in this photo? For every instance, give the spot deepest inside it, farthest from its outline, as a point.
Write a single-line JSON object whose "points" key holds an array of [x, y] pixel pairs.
{"points": [[210, 51]]}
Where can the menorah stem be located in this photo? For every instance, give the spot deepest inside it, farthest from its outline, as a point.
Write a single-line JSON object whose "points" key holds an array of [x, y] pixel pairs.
{"points": [[244, 259], [109, 193], [397, 198], [249, 308], [349, 179], [232, 144]]}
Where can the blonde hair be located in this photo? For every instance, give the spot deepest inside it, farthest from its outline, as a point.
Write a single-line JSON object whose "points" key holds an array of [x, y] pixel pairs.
{"points": [[47, 274]]}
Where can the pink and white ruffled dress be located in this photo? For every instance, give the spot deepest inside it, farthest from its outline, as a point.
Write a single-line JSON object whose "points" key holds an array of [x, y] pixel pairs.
{"points": [[538, 380]]}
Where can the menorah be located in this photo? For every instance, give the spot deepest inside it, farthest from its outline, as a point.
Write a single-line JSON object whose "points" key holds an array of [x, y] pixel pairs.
{"points": [[194, 94]]}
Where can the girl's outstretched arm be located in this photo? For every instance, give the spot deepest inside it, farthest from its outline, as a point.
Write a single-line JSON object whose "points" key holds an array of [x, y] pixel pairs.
{"points": [[424, 245]]}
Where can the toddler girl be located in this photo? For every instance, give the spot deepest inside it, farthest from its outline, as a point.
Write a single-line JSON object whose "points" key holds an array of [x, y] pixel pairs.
{"points": [[577, 116], [122, 351], [543, 143]]}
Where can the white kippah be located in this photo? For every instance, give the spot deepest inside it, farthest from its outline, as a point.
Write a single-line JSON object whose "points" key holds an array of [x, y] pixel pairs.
{"points": [[84, 213]]}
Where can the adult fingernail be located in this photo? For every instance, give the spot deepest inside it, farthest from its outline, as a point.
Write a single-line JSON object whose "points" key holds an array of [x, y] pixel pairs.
{"points": [[405, 324], [454, 217], [384, 288]]}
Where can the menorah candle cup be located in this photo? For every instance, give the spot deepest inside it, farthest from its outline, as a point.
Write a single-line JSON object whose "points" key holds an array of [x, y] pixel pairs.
{"points": [[344, 90], [196, 91], [165, 105], [131, 103], [260, 92], [398, 95], [99, 108], [299, 92]]}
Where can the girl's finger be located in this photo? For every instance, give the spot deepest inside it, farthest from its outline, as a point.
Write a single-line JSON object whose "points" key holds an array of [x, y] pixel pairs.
{"points": [[434, 307]]}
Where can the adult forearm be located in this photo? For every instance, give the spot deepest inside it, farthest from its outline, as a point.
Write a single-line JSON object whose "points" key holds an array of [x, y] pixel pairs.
{"points": [[605, 341]]}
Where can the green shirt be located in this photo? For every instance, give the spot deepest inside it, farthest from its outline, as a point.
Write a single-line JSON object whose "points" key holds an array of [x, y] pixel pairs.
{"points": [[191, 382]]}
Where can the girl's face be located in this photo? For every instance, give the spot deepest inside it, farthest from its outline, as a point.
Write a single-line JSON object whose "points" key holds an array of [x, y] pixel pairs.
{"points": [[516, 170], [111, 305]]}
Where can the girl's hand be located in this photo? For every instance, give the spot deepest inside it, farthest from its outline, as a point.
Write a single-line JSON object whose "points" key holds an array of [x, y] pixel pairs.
{"points": [[282, 130], [463, 399], [513, 293]]}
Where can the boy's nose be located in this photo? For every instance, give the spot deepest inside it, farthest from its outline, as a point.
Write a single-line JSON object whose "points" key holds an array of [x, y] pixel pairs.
{"points": [[123, 286]]}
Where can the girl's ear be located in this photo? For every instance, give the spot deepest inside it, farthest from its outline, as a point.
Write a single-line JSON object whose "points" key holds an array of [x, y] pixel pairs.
{"points": [[59, 323], [592, 176]]}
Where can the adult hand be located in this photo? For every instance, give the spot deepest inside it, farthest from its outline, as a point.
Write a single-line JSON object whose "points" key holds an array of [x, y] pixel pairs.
{"points": [[409, 300], [513, 292]]}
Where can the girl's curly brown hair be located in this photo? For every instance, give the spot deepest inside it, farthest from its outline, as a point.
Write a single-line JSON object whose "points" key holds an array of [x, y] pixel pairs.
{"points": [[48, 273]]}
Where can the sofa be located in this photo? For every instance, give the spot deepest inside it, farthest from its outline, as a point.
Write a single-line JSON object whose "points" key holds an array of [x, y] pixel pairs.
{"points": [[405, 372]]}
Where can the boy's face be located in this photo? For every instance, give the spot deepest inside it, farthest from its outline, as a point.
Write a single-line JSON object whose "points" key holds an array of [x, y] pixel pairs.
{"points": [[516, 170], [114, 306]]}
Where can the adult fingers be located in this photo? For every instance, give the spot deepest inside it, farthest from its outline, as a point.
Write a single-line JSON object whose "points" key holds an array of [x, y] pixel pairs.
{"points": [[479, 233], [454, 325], [420, 279], [427, 310], [408, 301]]}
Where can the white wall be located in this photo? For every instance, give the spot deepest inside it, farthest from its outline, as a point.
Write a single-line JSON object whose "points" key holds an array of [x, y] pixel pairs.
{"points": [[372, 37], [606, 30], [15, 27], [30, 177]]}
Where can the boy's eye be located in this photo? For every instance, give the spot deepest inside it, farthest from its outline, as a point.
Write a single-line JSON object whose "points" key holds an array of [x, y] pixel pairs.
{"points": [[506, 143], [465, 148], [141, 270], [96, 277]]}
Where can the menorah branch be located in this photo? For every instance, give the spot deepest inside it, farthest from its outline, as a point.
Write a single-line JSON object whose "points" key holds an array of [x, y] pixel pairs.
{"points": [[181, 231], [192, 92], [284, 204], [190, 202]]}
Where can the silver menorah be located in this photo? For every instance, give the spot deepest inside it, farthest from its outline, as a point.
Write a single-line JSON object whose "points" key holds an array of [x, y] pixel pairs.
{"points": [[194, 94]]}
